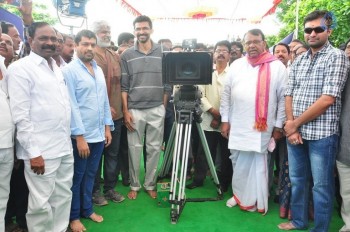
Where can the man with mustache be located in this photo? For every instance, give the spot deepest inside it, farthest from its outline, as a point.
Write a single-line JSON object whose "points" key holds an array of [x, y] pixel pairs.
{"points": [[313, 105], [211, 124], [281, 51], [68, 48], [252, 114], [41, 112], [90, 127], [144, 97], [11, 30], [57, 56], [109, 62], [6, 49], [7, 129], [236, 51]]}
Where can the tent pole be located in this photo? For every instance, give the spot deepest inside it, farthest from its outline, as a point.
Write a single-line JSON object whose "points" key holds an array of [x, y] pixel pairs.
{"points": [[296, 20]]}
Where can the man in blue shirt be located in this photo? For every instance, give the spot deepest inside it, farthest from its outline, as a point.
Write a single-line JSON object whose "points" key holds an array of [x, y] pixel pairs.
{"points": [[91, 125]]}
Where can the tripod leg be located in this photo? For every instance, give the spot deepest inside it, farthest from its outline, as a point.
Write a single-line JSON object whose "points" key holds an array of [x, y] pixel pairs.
{"points": [[164, 170], [181, 150], [183, 170], [209, 159], [176, 157]]}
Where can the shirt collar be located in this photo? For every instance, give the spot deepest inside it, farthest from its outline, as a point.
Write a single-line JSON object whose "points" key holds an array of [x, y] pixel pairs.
{"points": [[323, 50], [154, 46], [93, 63], [39, 59]]}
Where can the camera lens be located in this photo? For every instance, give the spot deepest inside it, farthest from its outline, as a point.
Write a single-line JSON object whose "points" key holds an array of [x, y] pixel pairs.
{"points": [[188, 69]]}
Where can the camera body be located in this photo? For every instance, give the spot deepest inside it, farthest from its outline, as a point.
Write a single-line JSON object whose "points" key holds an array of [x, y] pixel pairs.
{"points": [[185, 70]]}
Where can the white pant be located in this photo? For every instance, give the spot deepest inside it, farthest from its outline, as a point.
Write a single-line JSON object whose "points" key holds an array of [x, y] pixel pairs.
{"points": [[6, 165], [344, 179], [50, 195], [151, 122]]}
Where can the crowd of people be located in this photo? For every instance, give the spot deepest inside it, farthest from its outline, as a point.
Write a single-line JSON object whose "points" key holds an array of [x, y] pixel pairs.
{"points": [[270, 119]]}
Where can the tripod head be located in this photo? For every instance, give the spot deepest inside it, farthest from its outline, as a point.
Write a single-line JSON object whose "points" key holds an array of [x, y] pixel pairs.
{"points": [[188, 97]]}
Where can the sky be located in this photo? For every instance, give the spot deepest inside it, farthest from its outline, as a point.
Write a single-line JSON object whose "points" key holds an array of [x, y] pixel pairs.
{"points": [[206, 32]]}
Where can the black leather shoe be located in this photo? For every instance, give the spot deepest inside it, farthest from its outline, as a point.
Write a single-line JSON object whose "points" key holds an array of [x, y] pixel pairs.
{"points": [[193, 185]]}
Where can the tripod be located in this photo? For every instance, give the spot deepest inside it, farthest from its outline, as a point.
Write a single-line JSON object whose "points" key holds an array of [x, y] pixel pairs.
{"points": [[176, 154]]}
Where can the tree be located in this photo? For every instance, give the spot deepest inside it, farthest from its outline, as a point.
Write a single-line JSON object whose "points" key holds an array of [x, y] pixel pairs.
{"points": [[40, 13], [340, 8]]}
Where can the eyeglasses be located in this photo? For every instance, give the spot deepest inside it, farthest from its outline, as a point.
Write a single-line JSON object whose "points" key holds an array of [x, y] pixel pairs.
{"points": [[255, 42], [309, 30], [221, 51], [235, 49]]}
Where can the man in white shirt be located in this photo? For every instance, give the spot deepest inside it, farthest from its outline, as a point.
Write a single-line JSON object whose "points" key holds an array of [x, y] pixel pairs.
{"points": [[252, 105], [210, 103], [41, 112], [6, 142]]}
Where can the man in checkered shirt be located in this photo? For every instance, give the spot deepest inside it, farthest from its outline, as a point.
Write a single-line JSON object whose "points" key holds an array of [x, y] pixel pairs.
{"points": [[313, 105]]}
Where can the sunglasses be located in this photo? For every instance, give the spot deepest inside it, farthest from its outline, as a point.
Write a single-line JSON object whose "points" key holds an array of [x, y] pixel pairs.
{"points": [[308, 30]]}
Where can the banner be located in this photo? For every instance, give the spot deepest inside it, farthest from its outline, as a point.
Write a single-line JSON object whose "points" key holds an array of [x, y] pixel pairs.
{"points": [[14, 19], [11, 2]]}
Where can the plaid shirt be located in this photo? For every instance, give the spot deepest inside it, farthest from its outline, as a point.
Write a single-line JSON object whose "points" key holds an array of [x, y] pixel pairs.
{"points": [[311, 77]]}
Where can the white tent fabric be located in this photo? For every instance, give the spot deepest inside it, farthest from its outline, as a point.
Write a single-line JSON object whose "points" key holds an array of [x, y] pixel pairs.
{"points": [[234, 10]]}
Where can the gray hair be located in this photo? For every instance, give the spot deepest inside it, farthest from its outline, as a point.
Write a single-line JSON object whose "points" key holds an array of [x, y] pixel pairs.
{"points": [[97, 25]]}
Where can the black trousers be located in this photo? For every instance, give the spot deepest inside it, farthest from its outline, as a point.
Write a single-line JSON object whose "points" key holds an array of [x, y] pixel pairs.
{"points": [[17, 204], [214, 139]]}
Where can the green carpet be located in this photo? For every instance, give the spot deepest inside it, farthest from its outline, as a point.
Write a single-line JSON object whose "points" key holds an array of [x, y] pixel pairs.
{"points": [[143, 214]]}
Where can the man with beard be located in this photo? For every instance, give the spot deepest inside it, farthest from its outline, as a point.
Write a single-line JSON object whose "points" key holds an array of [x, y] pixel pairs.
{"points": [[252, 114], [236, 51], [57, 57], [109, 61], [210, 103], [144, 98], [90, 127], [313, 104], [68, 48], [41, 112]]}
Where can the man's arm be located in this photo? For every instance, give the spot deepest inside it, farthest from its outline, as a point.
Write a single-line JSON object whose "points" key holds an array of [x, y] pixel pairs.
{"points": [[20, 101], [26, 12], [281, 112], [225, 105], [77, 126], [206, 106], [128, 119], [315, 110]]}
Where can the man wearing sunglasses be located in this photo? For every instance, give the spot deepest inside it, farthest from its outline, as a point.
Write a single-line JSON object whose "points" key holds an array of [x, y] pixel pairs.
{"points": [[313, 105]]}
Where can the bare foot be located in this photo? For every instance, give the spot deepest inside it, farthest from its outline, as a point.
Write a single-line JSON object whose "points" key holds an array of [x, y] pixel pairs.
{"points": [[152, 193], [96, 218], [77, 226], [132, 195], [286, 226]]}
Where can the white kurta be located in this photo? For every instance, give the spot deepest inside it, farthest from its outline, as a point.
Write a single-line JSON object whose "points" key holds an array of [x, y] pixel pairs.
{"points": [[238, 105], [249, 146]]}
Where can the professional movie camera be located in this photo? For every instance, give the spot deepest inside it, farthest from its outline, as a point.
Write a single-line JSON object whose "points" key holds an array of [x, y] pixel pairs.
{"points": [[185, 70]]}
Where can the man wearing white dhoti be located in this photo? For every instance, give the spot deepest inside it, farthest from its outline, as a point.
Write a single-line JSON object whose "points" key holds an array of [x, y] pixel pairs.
{"points": [[252, 112]]}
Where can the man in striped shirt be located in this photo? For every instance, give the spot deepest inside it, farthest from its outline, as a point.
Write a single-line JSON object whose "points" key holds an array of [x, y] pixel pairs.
{"points": [[144, 99]]}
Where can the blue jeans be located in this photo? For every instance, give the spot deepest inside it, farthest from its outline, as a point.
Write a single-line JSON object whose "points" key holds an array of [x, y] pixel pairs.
{"points": [[83, 180], [316, 158]]}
